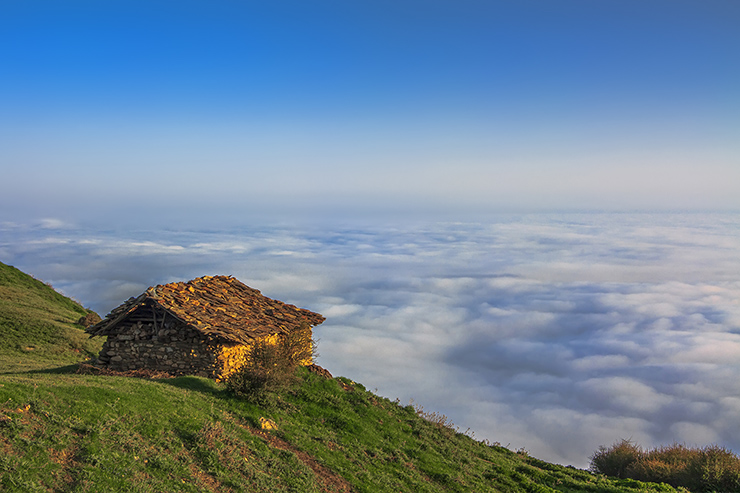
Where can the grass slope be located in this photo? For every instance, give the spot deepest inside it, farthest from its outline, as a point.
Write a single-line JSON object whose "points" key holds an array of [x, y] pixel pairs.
{"points": [[65, 431], [37, 324], [70, 432]]}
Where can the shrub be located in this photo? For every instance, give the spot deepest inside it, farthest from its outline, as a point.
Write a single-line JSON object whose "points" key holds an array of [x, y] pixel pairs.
{"points": [[651, 470], [671, 464], [271, 368], [298, 345], [446, 426], [266, 371], [718, 469], [615, 460], [712, 468]]}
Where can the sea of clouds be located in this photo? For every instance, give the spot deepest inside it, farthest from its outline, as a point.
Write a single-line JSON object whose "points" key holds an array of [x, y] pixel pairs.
{"points": [[556, 333]]}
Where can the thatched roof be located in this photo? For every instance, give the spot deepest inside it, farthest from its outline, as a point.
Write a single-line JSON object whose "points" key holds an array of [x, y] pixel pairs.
{"points": [[219, 306]]}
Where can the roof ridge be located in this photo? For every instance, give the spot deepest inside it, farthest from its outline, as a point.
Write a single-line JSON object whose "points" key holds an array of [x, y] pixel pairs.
{"points": [[243, 313]]}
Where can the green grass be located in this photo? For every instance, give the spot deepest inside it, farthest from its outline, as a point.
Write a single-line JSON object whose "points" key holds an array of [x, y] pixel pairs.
{"points": [[37, 324], [65, 431], [61, 431]]}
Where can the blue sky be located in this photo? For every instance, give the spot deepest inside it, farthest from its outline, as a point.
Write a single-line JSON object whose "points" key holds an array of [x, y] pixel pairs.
{"points": [[403, 105], [149, 142]]}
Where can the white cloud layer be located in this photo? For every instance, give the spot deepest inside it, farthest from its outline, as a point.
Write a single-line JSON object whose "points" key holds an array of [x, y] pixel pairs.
{"points": [[556, 333]]}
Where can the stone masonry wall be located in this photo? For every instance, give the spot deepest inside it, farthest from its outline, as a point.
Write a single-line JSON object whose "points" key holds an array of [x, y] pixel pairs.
{"points": [[174, 348]]}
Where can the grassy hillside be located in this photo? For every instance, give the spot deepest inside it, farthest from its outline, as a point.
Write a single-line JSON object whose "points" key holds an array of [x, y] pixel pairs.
{"points": [[61, 430], [71, 432], [37, 324]]}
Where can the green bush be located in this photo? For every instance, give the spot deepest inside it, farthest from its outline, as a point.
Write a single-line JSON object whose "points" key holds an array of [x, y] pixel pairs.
{"points": [[670, 465], [708, 469], [267, 371], [718, 468], [271, 368], [298, 345], [617, 459]]}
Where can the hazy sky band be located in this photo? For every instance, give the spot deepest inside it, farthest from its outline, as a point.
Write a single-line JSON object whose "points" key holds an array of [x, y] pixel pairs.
{"points": [[616, 105]]}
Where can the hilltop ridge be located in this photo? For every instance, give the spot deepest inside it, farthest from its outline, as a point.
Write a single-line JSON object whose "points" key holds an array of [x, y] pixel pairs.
{"points": [[38, 324]]}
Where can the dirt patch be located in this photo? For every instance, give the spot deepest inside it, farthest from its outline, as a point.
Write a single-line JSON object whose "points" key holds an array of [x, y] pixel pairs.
{"points": [[330, 481], [87, 369], [6, 449], [319, 370], [65, 457], [206, 481], [346, 387]]}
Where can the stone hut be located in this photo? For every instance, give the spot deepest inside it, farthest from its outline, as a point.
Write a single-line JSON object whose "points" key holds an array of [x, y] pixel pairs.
{"points": [[201, 327]]}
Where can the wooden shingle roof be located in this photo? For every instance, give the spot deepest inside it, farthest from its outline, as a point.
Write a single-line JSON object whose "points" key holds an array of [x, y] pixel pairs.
{"points": [[219, 306]]}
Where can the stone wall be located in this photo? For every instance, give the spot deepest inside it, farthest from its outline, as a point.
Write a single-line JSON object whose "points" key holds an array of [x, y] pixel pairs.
{"points": [[174, 348]]}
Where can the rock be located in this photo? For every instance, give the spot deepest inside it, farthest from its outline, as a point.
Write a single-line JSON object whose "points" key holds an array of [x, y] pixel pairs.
{"points": [[267, 424], [314, 368]]}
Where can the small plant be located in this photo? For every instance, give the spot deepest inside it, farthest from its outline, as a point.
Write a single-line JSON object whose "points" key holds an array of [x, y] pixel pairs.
{"points": [[298, 345], [266, 371], [271, 367], [440, 420], [616, 460]]}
